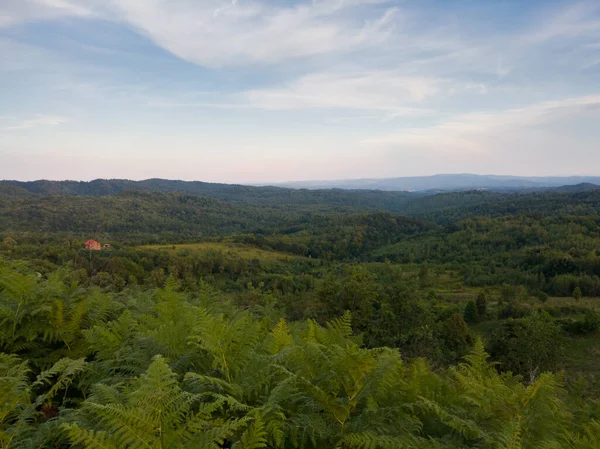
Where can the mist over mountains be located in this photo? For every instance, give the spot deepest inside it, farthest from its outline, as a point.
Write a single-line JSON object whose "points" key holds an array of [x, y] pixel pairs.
{"points": [[446, 182], [308, 192]]}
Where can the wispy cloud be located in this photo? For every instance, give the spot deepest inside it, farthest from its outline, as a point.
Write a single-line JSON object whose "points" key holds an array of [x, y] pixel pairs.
{"points": [[36, 121], [577, 19], [17, 11], [223, 33], [385, 92], [380, 90], [476, 132]]}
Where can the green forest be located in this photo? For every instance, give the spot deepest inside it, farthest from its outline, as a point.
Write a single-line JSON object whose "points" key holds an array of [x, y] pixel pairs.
{"points": [[223, 316]]}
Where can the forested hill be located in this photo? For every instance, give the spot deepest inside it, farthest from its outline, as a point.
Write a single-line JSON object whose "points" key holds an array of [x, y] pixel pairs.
{"points": [[100, 187], [152, 217], [232, 193], [441, 207], [446, 208]]}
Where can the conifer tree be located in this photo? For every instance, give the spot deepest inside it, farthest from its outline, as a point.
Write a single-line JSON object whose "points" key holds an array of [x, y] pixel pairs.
{"points": [[470, 313]]}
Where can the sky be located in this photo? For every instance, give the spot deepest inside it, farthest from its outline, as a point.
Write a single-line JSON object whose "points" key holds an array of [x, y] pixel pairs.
{"points": [[284, 90]]}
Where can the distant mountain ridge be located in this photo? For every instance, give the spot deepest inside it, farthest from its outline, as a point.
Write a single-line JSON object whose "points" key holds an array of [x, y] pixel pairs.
{"points": [[232, 193], [34, 203], [446, 182], [99, 187], [380, 191]]}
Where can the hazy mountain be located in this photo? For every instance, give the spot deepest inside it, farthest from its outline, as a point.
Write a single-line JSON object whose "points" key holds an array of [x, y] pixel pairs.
{"points": [[446, 183], [27, 198], [232, 193], [364, 192]]}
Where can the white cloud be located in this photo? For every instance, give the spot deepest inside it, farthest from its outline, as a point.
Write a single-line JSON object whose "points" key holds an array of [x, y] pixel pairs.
{"points": [[17, 11], [36, 121], [481, 133], [218, 33], [386, 91], [578, 19]]}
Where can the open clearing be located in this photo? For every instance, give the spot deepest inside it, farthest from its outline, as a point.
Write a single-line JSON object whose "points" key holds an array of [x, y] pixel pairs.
{"points": [[245, 252]]}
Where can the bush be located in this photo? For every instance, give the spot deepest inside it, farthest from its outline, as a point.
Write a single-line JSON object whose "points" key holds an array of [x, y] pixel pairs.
{"points": [[590, 324], [512, 310], [528, 346], [508, 292]]}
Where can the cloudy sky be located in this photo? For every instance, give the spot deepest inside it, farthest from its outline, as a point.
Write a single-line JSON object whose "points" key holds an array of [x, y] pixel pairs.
{"points": [[276, 90]]}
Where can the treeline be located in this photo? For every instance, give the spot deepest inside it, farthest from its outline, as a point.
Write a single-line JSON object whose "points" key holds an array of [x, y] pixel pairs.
{"points": [[442, 208], [238, 194], [448, 208], [339, 236], [552, 254], [138, 217]]}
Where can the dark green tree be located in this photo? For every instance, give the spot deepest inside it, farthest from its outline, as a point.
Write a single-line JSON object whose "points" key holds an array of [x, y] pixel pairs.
{"points": [[481, 303], [456, 337], [424, 275], [529, 346], [470, 312]]}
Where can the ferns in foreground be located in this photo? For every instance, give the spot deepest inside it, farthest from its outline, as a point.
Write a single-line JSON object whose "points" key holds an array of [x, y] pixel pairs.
{"points": [[157, 370]]}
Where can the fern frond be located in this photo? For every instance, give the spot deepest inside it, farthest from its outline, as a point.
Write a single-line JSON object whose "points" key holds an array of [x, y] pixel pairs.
{"points": [[254, 437], [369, 440], [59, 376], [88, 439], [341, 326]]}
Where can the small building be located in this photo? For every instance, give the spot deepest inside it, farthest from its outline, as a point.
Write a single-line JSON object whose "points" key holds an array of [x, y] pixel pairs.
{"points": [[93, 245]]}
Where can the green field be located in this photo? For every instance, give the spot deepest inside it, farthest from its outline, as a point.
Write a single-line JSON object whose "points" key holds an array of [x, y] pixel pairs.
{"points": [[242, 251]]}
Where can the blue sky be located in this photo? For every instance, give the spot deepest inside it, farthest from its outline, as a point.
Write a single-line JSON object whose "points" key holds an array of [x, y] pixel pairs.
{"points": [[266, 91]]}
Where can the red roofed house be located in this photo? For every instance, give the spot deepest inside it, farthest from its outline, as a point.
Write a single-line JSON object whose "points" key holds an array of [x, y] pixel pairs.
{"points": [[93, 245]]}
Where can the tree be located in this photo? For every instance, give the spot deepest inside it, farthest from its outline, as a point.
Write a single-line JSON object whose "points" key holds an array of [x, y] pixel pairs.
{"points": [[456, 336], [508, 292], [577, 293], [354, 290], [470, 313], [9, 242], [424, 275], [481, 303], [528, 346]]}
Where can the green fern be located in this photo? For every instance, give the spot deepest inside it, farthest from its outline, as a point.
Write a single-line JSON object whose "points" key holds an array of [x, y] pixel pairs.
{"points": [[153, 413], [254, 437]]}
